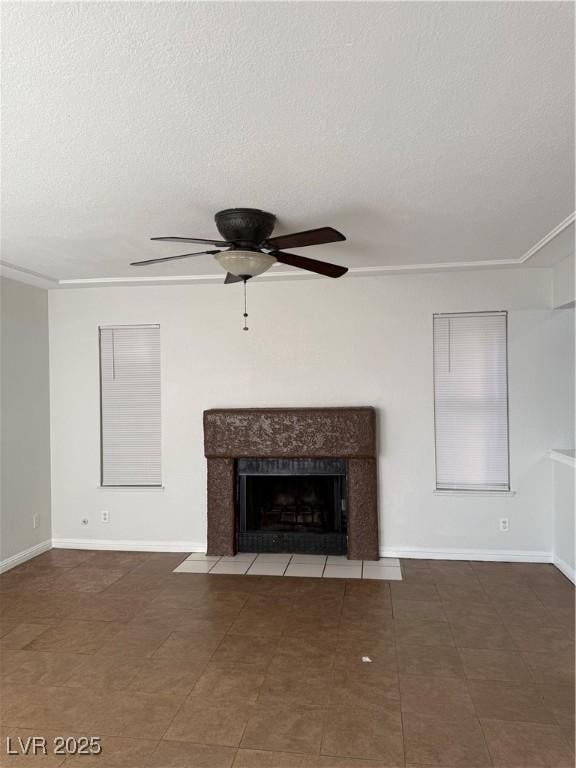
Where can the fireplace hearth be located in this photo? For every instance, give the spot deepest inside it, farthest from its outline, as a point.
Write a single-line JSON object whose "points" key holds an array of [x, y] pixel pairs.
{"points": [[291, 505], [298, 479]]}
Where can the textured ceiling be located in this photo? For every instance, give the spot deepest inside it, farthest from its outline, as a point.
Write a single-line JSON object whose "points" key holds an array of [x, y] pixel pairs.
{"points": [[427, 132]]}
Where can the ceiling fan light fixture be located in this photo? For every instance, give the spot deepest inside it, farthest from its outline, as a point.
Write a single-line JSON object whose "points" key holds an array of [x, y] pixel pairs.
{"points": [[245, 263]]}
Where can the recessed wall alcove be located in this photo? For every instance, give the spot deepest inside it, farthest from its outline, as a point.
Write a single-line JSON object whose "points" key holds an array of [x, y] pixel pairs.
{"points": [[345, 434]]}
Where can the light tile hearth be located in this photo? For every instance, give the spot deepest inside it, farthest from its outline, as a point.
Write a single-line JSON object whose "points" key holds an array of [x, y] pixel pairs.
{"points": [[303, 566]]}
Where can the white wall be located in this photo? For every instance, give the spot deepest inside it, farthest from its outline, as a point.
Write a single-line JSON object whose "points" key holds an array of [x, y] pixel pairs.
{"points": [[564, 474], [564, 288], [25, 417], [358, 341], [564, 529]]}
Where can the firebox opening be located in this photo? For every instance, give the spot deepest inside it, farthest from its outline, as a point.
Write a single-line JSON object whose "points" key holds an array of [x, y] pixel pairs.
{"points": [[291, 505]]}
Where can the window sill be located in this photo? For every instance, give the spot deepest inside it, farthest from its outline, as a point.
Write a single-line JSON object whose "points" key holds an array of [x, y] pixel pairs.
{"points": [[145, 488], [483, 494]]}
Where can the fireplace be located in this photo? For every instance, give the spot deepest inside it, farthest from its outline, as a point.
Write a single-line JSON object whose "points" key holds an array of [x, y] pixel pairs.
{"points": [[291, 505], [299, 479]]}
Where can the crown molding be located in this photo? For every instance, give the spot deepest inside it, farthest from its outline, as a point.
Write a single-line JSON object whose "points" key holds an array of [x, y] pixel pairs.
{"points": [[22, 275], [36, 278], [547, 238]]}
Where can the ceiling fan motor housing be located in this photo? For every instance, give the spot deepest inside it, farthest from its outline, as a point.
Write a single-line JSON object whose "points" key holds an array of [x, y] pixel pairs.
{"points": [[245, 227]]}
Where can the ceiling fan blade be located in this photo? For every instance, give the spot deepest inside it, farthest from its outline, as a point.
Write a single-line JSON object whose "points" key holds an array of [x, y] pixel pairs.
{"points": [[219, 243], [312, 265], [230, 278], [171, 258], [309, 237]]}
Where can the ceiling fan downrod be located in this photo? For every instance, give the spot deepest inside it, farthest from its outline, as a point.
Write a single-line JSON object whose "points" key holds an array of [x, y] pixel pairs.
{"points": [[245, 280]]}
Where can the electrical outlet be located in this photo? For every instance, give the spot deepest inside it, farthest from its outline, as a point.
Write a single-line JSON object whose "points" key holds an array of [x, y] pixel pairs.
{"points": [[36, 521], [504, 524], [105, 516]]}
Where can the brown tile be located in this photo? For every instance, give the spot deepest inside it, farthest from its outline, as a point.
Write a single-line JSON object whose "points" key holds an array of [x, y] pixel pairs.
{"points": [[229, 683], [177, 754], [414, 591], [168, 676], [134, 640], [527, 745], [418, 609], [256, 758], [429, 661], [494, 665], [326, 761], [466, 591], [437, 741], [460, 611], [545, 639], [40, 668], [560, 701], [220, 725], [305, 684], [259, 625], [249, 651], [177, 619], [75, 637], [116, 753], [114, 713], [104, 607], [482, 632], [360, 641], [137, 583], [509, 701], [33, 609], [383, 659], [361, 733], [162, 561], [317, 649], [109, 672], [361, 590], [284, 729], [418, 632], [7, 626], [364, 613], [446, 698], [20, 635], [85, 578], [364, 686], [547, 668], [189, 644], [64, 558], [126, 561]]}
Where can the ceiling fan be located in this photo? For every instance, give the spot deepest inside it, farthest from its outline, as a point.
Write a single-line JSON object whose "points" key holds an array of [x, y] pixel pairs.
{"points": [[247, 249]]}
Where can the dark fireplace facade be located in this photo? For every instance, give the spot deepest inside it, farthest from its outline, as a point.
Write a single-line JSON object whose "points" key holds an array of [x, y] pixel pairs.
{"points": [[291, 505], [280, 472]]}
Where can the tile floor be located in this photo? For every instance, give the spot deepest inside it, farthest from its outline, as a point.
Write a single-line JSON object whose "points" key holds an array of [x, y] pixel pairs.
{"points": [[470, 665], [304, 566]]}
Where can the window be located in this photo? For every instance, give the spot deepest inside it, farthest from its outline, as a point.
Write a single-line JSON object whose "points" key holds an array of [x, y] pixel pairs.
{"points": [[130, 406], [471, 401]]}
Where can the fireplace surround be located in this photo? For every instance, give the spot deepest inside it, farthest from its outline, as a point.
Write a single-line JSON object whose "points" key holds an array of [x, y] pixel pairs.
{"points": [[232, 437]]}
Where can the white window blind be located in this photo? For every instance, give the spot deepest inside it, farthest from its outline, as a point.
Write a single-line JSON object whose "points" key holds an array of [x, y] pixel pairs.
{"points": [[130, 406], [471, 401]]}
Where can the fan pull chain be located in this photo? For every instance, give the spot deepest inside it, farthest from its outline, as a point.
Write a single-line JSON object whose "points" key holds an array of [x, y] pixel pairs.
{"points": [[245, 309]]}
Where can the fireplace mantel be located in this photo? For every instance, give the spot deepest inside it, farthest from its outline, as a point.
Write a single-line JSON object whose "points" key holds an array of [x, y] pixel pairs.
{"points": [[344, 433]]}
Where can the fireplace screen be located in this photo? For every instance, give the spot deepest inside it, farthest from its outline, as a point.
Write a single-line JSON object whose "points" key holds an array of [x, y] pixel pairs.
{"points": [[291, 505]]}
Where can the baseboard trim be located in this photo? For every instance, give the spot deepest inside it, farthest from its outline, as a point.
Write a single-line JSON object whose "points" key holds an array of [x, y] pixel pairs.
{"points": [[491, 555], [566, 569], [130, 545], [26, 554], [134, 545]]}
